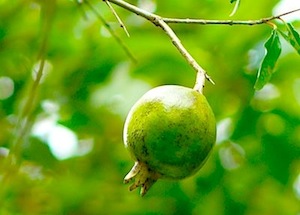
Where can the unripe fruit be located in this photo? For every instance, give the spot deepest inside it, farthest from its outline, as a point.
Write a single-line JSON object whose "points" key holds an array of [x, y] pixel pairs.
{"points": [[170, 132]]}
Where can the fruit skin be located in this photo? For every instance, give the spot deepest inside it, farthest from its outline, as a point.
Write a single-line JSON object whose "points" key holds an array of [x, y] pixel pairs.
{"points": [[170, 132]]}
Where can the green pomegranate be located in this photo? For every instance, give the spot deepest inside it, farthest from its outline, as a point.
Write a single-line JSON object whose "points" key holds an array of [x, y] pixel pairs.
{"points": [[169, 132]]}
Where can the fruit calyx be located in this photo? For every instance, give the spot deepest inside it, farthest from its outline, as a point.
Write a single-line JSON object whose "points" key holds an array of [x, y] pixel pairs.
{"points": [[143, 177]]}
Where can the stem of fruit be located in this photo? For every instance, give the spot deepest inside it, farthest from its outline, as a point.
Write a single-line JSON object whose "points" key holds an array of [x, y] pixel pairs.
{"points": [[201, 74], [200, 82], [143, 177]]}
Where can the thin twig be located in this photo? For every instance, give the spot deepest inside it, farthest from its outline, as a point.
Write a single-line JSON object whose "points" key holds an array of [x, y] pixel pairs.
{"points": [[114, 35], [227, 22], [25, 121], [117, 17]]}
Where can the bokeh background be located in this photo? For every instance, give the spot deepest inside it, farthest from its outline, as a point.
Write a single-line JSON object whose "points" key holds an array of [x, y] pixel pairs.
{"points": [[64, 132]]}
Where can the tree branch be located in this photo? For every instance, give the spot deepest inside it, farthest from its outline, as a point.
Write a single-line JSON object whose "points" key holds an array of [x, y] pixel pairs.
{"points": [[163, 22], [227, 22]]}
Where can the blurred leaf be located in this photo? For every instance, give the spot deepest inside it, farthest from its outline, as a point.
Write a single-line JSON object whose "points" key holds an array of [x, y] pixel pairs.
{"points": [[273, 50], [76, 120], [293, 37], [277, 157], [40, 153]]}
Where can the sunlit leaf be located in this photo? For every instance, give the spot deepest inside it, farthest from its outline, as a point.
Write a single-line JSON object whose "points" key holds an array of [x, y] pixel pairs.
{"points": [[292, 37], [273, 50]]}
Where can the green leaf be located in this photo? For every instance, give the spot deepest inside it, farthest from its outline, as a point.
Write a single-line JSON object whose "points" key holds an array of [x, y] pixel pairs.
{"points": [[293, 37], [231, 1], [273, 50]]}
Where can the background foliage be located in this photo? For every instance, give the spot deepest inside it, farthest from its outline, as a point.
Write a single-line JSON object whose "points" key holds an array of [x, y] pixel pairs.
{"points": [[71, 158]]}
